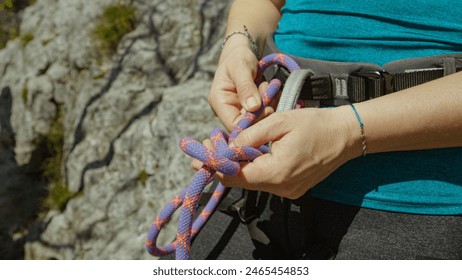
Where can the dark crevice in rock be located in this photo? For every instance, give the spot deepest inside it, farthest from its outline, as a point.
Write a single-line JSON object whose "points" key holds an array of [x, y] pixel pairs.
{"points": [[6, 131], [110, 154], [44, 69], [206, 43], [55, 246], [4, 69], [79, 133], [21, 191], [155, 36]]}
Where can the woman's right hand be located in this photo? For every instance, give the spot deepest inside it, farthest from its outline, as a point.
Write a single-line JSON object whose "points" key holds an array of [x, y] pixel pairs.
{"points": [[233, 89]]}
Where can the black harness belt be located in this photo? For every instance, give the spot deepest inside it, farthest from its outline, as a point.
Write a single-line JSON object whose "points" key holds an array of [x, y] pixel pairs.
{"points": [[361, 86]]}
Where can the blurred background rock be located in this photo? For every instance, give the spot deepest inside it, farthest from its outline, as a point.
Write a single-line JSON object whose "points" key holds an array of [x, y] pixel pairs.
{"points": [[94, 97]]}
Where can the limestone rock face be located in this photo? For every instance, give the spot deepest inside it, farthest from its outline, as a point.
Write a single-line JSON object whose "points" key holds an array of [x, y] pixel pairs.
{"points": [[122, 117]]}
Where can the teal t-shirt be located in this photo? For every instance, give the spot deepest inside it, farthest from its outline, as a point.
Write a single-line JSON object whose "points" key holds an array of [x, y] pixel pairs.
{"points": [[376, 31], [420, 182]]}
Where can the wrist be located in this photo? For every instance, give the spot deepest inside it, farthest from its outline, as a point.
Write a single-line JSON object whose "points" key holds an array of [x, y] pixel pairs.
{"points": [[351, 132], [237, 46], [245, 33]]}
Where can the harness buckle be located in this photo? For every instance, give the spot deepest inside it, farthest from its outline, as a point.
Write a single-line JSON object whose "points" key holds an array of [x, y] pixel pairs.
{"points": [[239, 208], [377, 81]]}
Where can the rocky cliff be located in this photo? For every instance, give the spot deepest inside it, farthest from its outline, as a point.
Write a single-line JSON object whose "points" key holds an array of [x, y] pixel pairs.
{"points": [[88, 138]]}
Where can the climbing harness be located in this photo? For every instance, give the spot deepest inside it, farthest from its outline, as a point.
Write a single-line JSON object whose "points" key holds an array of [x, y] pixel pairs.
{"points": [[224, 159]]}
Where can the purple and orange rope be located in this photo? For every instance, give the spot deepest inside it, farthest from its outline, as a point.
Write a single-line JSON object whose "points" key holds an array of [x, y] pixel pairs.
{"points": [[223, 159]]}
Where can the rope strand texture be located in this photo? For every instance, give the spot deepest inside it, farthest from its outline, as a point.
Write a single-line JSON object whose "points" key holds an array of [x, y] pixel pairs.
{"points": [[223, 159]]}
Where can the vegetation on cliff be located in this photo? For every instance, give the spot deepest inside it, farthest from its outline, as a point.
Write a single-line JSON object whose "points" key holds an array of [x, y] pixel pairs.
{"points": [[116, 21], [10, 19]]}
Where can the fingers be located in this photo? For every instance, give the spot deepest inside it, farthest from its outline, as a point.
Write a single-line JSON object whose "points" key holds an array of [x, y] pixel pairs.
{"points": [[238, 118], [249, 175], [225, 105], [196, 164], [247, 92], [265, 174], [269, 129], [259, 175], [271, 108], [268, 172], [233, 86]]}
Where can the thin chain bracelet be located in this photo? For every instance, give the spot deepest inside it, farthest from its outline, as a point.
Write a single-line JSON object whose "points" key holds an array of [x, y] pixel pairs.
{"points": [[361, 125], [246, 34]]}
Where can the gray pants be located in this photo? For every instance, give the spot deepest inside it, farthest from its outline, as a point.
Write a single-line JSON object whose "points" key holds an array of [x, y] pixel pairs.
{"points": [[311, 228]]}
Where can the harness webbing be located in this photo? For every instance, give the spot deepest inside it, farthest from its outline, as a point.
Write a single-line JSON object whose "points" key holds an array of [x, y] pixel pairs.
{"points": [[366, 85]]}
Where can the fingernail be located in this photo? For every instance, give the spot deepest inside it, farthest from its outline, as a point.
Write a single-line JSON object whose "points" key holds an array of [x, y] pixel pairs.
{"points": [[251, 102], [238, 119]]}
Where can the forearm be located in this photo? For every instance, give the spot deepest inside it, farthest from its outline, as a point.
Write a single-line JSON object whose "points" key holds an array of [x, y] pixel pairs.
{"points": [[260, 17], [422, 117]]}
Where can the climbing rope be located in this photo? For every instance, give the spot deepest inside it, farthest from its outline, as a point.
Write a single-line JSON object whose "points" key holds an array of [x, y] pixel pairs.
{"points": [[224, 159]]}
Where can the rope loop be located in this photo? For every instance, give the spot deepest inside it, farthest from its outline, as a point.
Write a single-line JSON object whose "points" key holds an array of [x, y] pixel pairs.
{"points": [[223, 159]]}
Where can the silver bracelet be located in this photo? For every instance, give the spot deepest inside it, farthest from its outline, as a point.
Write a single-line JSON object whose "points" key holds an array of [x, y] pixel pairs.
{"points": [[246, 34]]}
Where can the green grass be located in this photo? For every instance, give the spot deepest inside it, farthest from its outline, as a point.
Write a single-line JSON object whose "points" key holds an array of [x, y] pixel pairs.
{"points": [[7, 5], [143, 177], [9, 21], [53, 143], [27, 38], [6, 34], [116, 21], [25, 94], [15, 5], [100, 75], [58, 196]]}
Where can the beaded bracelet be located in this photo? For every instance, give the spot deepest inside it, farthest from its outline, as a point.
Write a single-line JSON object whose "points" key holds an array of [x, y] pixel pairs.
{"points": [[361, 125], [245, 33]]}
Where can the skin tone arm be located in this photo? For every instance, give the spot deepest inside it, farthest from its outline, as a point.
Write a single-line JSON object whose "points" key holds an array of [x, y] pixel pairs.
{"points": [[233, 87], [309, 144]]}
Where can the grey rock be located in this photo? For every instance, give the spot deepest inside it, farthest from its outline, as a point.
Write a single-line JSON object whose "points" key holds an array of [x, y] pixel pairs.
{"points": [[123, 118], [111, 218]]}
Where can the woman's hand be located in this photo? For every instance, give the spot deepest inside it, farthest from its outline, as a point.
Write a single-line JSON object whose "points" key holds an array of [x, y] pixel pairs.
{"points": [[233, 90], [307, 146]]}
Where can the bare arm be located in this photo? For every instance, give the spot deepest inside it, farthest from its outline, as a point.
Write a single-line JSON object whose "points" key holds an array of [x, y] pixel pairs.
{"points": [[310, 144], [422, 117], [260, 16], [233, 87]]}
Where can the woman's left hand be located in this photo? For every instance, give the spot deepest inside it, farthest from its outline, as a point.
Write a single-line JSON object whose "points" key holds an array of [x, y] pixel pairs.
{"points": [[307, 145]]}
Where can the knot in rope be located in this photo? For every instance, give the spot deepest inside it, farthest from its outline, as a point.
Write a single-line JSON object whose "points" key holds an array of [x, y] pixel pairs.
{"points": [[224, 159]]}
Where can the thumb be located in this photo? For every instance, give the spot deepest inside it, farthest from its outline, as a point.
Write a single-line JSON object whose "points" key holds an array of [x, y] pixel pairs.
{"points": [[247, 91], [269, 129]]}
